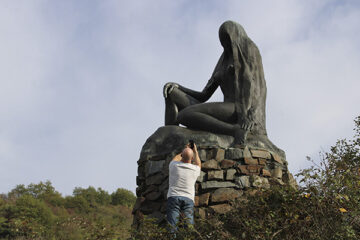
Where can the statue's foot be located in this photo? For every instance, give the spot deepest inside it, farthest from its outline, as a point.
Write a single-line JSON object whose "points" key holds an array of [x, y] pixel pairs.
{"points": [[240, 137]]}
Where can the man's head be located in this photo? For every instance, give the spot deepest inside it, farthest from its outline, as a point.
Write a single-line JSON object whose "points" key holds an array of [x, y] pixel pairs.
{"points": [[187, 155]]}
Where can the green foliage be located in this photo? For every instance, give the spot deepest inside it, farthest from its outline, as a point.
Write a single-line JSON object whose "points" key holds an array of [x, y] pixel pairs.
{"points": [[78, 204], [38, 211], [27, 216], [123, 197], [93, 196]]}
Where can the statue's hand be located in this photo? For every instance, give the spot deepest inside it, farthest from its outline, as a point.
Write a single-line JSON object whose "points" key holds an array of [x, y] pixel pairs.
{"points": [[168, 88]]}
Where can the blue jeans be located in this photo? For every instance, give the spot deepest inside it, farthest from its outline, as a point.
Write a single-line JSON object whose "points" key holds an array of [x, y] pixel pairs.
{"points": [[176, 205]]}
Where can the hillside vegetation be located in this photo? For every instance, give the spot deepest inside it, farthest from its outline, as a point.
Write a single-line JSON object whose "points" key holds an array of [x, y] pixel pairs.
{"points": [[38, 211]]}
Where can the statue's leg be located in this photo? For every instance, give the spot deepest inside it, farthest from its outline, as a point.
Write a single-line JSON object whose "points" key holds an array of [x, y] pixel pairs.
{"points": [[171, 112], [216, 117], [176, 101]]}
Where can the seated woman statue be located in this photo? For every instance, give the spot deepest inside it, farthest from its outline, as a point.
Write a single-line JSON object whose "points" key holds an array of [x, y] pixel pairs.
{"points": [[239, 73]]}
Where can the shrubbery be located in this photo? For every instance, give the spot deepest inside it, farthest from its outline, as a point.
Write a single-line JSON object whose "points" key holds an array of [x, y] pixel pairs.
{"points": [[38, 211]]}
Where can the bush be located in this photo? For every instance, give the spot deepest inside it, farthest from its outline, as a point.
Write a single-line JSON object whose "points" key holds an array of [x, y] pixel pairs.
{"points": [[93, 196], [123, 197], [28, 217], [42, 190], [38, 211]]}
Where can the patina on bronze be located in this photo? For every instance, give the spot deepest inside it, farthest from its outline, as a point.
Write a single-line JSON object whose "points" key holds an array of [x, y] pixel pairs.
{"points": [[240, 75]]}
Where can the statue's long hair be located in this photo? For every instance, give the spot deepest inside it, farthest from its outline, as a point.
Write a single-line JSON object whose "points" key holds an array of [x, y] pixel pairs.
{"points": [[249, 82]]}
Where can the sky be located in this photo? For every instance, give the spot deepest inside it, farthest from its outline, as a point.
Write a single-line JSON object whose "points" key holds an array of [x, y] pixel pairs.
{"points": [[81, 81]]}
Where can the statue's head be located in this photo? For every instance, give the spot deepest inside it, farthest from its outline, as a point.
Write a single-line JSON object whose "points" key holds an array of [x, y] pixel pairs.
{"points": [[231, 33]]}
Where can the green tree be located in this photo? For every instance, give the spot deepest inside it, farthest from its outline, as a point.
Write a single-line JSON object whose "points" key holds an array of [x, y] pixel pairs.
{"points": [[78, 204], [28, 217], [123, 197], [93, 196], [42, 190]]}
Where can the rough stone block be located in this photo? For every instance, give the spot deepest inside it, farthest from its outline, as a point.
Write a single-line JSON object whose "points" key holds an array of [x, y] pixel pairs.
{"points": [[226, 163], [243, 169], [259, 182], [289, 179], [202, 154], [156, 157], [210, 164], [148, 207], [139, 180], [201, 178], [277, 158], [230, 174], [254, 169], [260, 154], [277, 173], [139, 190], [165, 170], [202, 200], [210, 153], [266, 173], [141, 171], [234, 153], [138, 203], [262, 161], [242, 181], [153, 196], [220, 154], [216, 175], [276, 181], [216, 184], [151, 188], [155, 179], [224, 195], [221, 208], [250, 161], [153, 167], [197, 188], [202, 213], [164, 185], [247, 153]]}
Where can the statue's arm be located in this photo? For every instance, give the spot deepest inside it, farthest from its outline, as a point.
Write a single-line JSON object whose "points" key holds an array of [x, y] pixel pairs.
{"points": [[202, 96], [206, 93]]}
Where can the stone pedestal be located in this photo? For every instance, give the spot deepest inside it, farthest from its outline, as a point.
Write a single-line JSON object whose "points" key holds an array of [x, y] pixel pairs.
{"points": [[227, 173]]}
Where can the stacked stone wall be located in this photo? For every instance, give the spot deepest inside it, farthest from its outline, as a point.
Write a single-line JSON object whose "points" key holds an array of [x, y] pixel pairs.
{"points": [[226, 175]]}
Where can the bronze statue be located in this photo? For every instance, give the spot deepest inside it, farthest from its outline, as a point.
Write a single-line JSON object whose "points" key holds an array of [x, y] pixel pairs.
{"points": [[239, 73]]}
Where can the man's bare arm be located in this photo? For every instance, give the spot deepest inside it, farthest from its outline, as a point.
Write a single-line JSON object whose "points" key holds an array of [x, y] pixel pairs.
{"points": [[197, 160], [177, 158]]}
